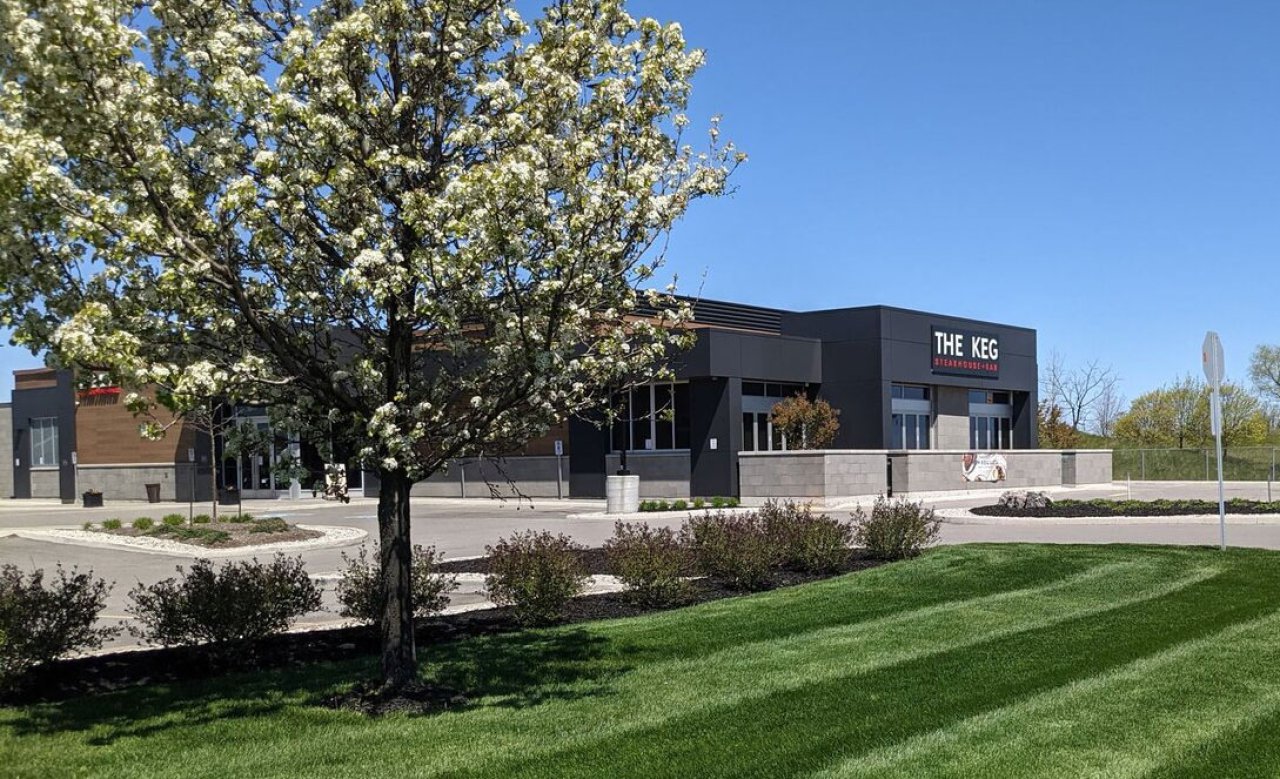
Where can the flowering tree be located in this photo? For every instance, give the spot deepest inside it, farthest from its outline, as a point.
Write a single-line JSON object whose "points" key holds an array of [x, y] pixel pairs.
{"points": [[420, 225]]}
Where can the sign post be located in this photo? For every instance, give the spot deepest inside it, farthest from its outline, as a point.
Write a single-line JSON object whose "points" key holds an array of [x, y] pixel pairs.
{"points": [[559, 469], [1214, 370]]}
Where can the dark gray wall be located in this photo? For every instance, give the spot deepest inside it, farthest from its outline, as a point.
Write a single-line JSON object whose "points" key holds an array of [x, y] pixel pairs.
{"points": [[868, 349], [60, 402], [715, 412]]}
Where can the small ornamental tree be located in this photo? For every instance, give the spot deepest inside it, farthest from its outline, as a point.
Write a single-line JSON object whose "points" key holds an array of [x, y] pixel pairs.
{"points": [[807, 424], [419, 226], [1053, 431]]}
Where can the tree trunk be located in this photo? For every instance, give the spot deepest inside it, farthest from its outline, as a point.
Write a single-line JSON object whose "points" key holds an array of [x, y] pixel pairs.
{"points": [[399, 658]]}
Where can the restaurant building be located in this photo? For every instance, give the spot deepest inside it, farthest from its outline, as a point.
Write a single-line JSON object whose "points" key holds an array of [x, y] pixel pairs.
{"points": [[902, 380]]}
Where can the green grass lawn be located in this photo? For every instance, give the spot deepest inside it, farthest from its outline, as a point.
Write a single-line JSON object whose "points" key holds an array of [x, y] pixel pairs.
{"points": [[971, 661]]}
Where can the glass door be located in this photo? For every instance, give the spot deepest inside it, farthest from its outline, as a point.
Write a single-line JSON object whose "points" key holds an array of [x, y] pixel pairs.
{"points": [[254, 468]]}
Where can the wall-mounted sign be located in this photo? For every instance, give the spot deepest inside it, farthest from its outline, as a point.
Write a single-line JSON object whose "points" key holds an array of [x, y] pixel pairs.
{"points": [[984, 466], [956, 352]]}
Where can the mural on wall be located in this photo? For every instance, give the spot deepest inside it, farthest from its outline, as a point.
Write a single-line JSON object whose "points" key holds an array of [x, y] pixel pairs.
{"points": [[984, 467]]}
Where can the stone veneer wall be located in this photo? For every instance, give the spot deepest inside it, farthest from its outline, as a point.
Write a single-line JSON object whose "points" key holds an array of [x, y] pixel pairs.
{"points": [[662, 474], [45, 483], [532, 476], [833, 475], [6, 450], [939, 470], [129, 482], [827, 474]]}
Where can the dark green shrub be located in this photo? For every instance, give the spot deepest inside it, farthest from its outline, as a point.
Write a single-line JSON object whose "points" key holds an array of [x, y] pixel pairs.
{"points": [[174, 520], [360, 588], [111, 524], [239, 603], [896, 530], [717, 502], [810, 542], [648, 505], [201, 519], [41, 621], [237, 519], [143, 523], [651, 562], [680, 505], [536, 573], [699, 503], [663, 506], [735, 548], [731, 503], [269, 525]]}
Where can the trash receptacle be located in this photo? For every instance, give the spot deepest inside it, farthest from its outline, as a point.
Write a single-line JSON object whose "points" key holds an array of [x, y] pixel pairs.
{"points": [[153, 493]]}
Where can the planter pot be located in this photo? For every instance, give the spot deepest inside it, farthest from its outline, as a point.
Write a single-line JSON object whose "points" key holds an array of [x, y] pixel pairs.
{"points": [[92, 500], [622, 494]]}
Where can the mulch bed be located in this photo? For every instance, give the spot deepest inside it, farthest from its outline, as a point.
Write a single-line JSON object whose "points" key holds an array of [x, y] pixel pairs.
{"points": [[1130, 508], [64, 679]]}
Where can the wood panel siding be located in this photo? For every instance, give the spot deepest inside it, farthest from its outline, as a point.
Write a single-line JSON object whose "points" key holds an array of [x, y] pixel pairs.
{"points": [[108, 434]]}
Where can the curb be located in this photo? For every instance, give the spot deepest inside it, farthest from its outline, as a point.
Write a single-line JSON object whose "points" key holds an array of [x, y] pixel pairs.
{"points": [[334, 536]]}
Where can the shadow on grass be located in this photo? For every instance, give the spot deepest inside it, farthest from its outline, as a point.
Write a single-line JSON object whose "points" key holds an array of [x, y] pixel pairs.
{"points": [[519, 670], [516, 670]]}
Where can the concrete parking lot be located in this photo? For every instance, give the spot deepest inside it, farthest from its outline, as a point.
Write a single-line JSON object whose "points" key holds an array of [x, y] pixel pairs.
{"points": [[463, 527]]}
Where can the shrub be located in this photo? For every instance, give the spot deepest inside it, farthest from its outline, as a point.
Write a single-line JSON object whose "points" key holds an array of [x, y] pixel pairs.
{"points": [[734, 548], [236, 519], [360, 588], [808, 542], [731, 503], [41, 621], [680, 505], [111, 524], [201, 519], [896, 530], [239, 603], [269, 525], [174, 520], [143, 523], [87, 526], [717, 502], [663, 506], [201, 535], [699, 503], [536, 573], [648, 505], [650, 561]]}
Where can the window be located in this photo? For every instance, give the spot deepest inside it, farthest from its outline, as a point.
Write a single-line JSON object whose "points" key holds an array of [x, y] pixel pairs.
{"points": [[911, 417], [44, 441], [990, 420], [909, 431], [758, 400], [652, 417], [909, 392]]}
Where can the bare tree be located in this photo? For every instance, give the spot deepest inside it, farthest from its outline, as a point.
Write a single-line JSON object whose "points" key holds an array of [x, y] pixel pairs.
{"points": [[1078, 390], [1107, 409]]}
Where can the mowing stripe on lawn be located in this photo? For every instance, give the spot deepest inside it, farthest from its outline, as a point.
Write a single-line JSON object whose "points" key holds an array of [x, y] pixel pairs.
{"points": [[788, 683], [610, 695], [795, 732], [655, 694], [1124, 723]]}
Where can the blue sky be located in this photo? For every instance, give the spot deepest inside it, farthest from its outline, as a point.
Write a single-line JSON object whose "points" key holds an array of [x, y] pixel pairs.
{"points": [[1105, 172]]}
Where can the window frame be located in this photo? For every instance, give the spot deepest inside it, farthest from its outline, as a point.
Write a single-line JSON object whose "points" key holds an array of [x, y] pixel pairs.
{"points": [[44, 430]]}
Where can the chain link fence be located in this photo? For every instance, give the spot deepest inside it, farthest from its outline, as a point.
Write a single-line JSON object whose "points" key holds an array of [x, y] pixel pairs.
{"points": [[1241, 463]]}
